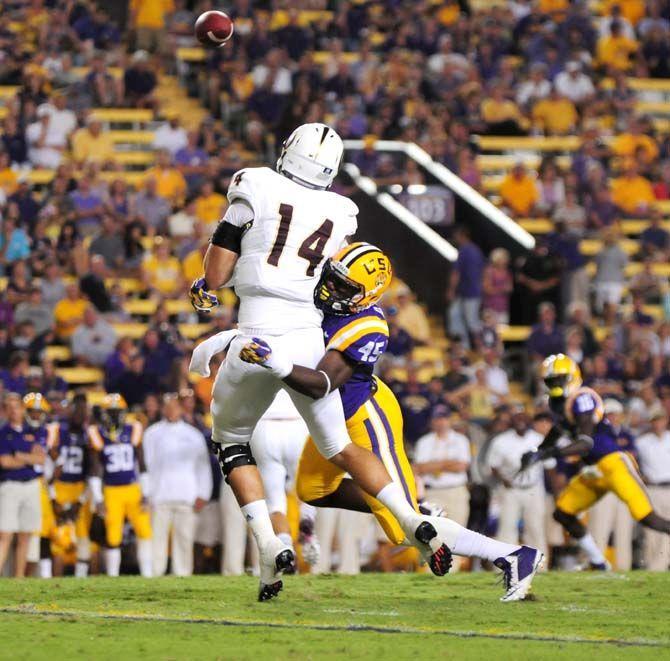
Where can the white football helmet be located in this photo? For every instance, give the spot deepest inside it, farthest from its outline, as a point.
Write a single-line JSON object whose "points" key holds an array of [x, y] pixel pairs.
{"points": [[311, 155]]}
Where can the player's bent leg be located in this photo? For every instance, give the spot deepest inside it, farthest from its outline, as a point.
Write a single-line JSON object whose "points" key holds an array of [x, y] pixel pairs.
{"points": [[577, 497], [656, 522]]}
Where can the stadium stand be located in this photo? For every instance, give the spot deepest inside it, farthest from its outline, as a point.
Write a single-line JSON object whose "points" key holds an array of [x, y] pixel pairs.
{"points": [[483, 87]]}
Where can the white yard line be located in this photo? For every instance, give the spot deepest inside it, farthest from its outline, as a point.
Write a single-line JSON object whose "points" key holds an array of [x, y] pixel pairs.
{"points": [[144, 617]]}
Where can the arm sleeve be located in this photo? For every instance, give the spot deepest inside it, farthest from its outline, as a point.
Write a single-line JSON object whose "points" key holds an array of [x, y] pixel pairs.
{"points": [[237, 220]]}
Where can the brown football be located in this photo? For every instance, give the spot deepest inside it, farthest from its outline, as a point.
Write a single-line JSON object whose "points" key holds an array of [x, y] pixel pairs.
{"points": [[213, 28]]}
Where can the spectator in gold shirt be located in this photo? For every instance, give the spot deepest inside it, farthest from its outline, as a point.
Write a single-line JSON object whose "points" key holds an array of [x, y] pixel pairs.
{"points": [[616, 50], [555, 115], [519, 191], [635, 142], [632, 193], [92, 144]]}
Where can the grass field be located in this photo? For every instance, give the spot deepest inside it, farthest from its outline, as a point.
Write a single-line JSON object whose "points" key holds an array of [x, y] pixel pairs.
{"points": [[590, 615]]}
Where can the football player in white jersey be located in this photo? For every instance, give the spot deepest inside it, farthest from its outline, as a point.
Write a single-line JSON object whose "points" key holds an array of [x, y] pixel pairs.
{"points": [[271, 245], [276, 445]]}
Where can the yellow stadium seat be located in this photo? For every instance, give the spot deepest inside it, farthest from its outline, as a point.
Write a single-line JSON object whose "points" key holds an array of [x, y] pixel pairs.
{"points": [[58, 354], [653, 107], [132, 330], [82, 72], [322, 56], [590, 247], [514, 333], [145, 158], [191, 331], [40, 177], [427, 354], [140, 306], [195, 54], [179, 306], [641, 84], [536, 225], [566, 143], [80, 375], [123, 115], [131, 137]]}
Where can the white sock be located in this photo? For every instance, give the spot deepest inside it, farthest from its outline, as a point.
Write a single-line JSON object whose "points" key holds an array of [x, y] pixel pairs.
{"points": [[286, 538], [113, 561], [258, 518], [45, 568], [462, 541], [393, 497], [589, 546], [81, 569], [144, 559]]}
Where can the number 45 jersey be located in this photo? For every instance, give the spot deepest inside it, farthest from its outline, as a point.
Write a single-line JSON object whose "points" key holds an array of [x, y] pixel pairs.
{"points": [[362, 338], [294, 230], [117, 452]]}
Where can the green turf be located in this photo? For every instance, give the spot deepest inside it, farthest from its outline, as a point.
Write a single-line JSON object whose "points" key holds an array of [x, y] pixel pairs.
{"points": [[590, 615]]}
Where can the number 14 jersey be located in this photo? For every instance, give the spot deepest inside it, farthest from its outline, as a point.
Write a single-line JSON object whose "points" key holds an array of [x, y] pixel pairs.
{"points": [[362, 338], [283, 250]]}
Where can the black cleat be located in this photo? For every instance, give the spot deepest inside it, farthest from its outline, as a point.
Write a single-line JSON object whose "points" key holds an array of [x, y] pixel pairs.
{"points": [[284, 564], [268, 592], [438, 556]]}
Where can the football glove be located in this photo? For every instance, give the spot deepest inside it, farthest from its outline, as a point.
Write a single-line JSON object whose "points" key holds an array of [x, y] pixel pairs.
{"points": [[259, 352], [201, 299]]}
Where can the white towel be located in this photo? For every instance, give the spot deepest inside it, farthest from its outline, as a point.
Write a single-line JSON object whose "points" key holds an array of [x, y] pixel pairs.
{"points": [[203, 353]]}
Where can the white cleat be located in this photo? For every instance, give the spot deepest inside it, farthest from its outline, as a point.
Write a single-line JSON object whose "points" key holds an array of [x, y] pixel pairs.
{"points": [[275, 559], [518, 569], [311, 549]]}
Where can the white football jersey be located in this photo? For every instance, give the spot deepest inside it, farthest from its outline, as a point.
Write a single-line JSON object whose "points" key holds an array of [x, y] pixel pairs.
{"points": [[294, 230]]}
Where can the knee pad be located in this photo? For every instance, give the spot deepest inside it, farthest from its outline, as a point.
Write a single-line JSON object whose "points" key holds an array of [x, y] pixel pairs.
{"points": [[570, 522], [233, 456]]}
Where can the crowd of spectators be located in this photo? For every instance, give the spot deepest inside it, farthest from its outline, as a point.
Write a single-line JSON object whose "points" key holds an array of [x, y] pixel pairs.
{"points": [[431, 73]]}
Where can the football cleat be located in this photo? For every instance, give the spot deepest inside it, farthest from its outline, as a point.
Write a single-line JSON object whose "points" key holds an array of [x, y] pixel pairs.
{"points": [[434, 552], [274, 560], [311, 549], [518, 570], [431, 509], [595, 566]]}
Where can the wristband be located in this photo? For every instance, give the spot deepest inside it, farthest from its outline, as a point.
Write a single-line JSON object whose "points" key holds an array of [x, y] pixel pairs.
{"points": [[325, 376]]}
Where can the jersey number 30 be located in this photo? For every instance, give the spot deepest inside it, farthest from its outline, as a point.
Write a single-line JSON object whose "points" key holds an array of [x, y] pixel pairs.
{"points": [[310, 249]]}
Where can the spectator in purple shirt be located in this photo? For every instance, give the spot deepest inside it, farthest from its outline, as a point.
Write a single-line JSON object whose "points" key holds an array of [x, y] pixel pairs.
{"points": [[191, 161], [14, 377], [465, 287], [547, 336], [88, 208]]}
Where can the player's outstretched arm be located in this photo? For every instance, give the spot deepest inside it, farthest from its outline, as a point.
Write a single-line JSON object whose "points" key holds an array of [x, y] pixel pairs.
{"points": [[333, 369]]}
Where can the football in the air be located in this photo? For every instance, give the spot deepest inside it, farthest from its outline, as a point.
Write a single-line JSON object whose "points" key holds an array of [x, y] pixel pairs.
{"points": [[213, 28]]}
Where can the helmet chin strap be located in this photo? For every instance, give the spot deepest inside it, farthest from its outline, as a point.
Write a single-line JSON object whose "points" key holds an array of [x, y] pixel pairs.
{"points": [[300, 181]]}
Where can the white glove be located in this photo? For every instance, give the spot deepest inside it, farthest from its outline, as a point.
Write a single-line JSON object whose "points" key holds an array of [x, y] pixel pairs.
{"points": [[203, 353]]}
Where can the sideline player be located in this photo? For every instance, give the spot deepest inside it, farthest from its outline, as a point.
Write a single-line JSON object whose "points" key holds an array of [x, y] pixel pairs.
{"points": [[356, 336], [70, 496], [272, 242], [579, 416], [116, 448]]}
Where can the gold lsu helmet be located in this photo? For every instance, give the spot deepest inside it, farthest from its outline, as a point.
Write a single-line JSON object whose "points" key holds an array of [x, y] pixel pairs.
{"points": [[113, 409], [561, 375], [37, 409], [353, 279]]}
